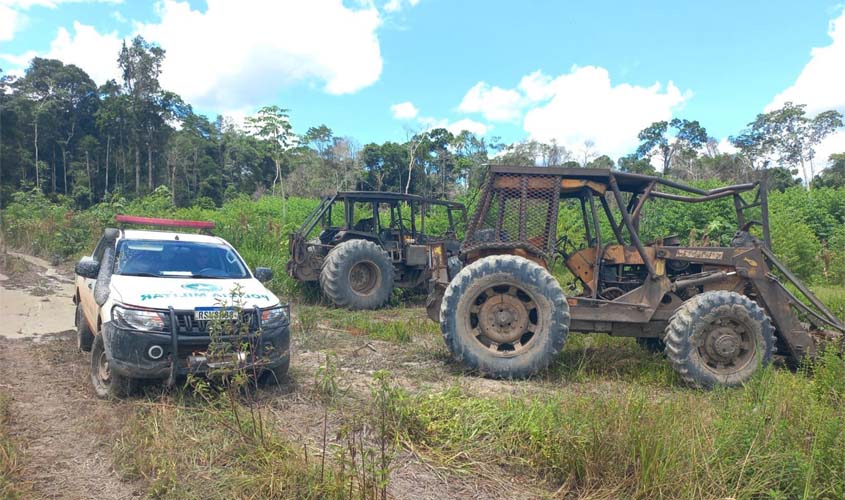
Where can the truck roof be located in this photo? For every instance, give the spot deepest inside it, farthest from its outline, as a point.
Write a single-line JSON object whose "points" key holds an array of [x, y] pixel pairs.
{"points": [[139, 234]]}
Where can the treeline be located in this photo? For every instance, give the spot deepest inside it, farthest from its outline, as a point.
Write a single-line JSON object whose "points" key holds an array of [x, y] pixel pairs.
{"points": [[64, 136]]}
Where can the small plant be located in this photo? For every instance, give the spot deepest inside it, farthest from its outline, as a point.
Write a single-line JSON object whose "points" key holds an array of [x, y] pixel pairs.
{"points": [[326, 378]]}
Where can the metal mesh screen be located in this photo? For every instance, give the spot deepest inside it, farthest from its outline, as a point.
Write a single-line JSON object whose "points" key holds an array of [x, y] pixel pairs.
{"points": [[515, 211]]}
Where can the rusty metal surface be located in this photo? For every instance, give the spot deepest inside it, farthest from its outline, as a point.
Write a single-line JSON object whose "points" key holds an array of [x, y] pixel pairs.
{"points": [[514, 214]]}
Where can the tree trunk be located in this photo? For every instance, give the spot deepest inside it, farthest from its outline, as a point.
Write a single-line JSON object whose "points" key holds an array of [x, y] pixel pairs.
{"points": [[37, 174], [150, 164], [108, 150], [64, 168], [804, 171], [53, 170], [88, 168], [137, 170]]}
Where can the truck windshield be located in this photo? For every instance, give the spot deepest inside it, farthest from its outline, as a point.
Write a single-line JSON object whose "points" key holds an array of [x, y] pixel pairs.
{"points": [[178, 259]]}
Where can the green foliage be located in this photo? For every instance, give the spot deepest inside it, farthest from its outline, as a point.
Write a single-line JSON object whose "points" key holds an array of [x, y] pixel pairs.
{"points": [[780, 436]]}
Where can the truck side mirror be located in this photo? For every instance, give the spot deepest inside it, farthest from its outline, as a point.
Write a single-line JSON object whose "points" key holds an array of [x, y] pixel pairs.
{"points": [[263, 274], [87, 267]]}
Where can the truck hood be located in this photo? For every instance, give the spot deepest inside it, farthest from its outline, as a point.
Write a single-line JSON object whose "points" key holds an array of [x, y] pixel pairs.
{"points": [[186, 293]]}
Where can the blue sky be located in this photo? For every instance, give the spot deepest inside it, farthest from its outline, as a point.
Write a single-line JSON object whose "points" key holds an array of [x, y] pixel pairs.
{"points": [[569, 71]]}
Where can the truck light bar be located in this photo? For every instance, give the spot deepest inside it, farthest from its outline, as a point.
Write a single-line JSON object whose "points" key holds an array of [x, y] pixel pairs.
{"points": [[153, 221]]}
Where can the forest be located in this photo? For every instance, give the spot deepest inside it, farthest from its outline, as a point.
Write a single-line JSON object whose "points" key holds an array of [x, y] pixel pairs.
{"points": [[68, 138]]}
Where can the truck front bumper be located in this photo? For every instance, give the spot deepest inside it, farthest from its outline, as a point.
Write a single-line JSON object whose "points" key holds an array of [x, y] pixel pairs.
{"points": [[129, 352]]}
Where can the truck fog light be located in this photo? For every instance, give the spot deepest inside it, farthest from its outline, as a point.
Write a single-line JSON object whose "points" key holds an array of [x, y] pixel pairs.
{"points": [[155, 352]]}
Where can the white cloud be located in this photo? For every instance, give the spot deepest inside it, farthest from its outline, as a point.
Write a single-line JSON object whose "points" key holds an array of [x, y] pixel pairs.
{"points": [[237, 55], [94, 52], [455, 127], [50, 4], [582, 105], [726, 148], [251, 47], [396, 5], [10, 22], [404, 110], [494, 103], [820, 84], [473, 126]]}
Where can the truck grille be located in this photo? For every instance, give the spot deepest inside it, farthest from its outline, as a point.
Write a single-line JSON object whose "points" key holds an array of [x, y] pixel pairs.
{"points": [[187, 325]]}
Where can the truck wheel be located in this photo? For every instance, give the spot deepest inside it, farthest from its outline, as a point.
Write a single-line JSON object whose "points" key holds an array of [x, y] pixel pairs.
{"points": [[107, 384], [719, 338], [275, 376], [84, 337], [504, 316], [357, 274]]}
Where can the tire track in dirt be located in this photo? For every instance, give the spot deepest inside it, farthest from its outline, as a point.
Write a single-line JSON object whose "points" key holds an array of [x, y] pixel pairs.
{"points": [[64, 431]]}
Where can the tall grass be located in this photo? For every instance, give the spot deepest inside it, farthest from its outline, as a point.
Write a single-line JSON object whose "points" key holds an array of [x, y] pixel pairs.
{"points": [[783, 436], [10, 481]]}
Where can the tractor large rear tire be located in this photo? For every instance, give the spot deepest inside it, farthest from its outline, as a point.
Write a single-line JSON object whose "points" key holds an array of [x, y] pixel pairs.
{"points": [[357, 274], [719, 338], [505, 317]]}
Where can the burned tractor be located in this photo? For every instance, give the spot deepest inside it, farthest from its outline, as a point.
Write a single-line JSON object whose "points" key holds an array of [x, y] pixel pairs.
{"points": [[718, 312], [370, 242]]}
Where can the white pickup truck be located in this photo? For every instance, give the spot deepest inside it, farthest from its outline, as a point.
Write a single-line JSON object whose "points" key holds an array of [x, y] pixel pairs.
{"points": [[145, 301]]}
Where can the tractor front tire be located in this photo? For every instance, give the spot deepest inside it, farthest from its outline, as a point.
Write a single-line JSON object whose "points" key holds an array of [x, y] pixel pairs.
{"points": [[357, 274], [505, 317], [719, 338]]}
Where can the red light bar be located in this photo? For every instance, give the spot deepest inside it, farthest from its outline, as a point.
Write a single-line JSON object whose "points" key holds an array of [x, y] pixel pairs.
{"points": [[196, 224]]}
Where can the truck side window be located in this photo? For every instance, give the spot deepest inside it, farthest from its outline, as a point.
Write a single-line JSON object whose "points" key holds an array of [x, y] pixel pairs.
{"points": [[100, 249]]}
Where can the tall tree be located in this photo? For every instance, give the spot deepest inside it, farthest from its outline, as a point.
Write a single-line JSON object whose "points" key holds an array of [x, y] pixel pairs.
{"points": [[272, 126], [788, 136], [655, 140], [140, 65]]}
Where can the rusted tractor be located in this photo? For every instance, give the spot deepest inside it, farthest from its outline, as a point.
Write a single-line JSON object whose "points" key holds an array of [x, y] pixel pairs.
{"points": [[718, 312], [359, 245]]}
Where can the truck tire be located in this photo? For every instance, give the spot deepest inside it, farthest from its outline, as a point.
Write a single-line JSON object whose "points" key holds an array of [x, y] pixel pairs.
{"points": [[357, 274], [84, 337], [505, 317], [719, 338], [107, 384]]}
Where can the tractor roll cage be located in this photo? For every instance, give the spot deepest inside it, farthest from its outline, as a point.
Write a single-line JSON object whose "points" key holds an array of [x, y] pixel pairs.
{"points": [[642, 187], [376, 197]]}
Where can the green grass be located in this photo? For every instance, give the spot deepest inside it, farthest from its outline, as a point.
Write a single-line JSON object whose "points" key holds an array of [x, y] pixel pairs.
{"points": [[833, 298], [782, 436], [182, 447], [10, 485], [397, 325]]}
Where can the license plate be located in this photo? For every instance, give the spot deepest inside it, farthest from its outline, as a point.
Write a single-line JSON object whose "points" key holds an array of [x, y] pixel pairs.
{"points": [[221, 361], [215, 314]]}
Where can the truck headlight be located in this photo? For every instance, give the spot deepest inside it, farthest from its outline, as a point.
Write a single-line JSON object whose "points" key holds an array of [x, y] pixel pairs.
{"points": [[274, 316], [138, 319]]}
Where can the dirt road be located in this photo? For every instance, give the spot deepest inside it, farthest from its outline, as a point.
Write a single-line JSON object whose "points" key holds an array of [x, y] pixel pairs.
{"points": [[67, 435]]}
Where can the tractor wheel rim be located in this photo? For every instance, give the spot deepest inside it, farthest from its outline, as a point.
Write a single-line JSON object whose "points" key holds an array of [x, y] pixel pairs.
{"points": [[103, 370], [364, 277], [504, 319], [727, 347]]}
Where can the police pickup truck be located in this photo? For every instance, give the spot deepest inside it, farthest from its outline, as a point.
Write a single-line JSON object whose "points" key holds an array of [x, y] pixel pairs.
{"points": [[146, 301]]}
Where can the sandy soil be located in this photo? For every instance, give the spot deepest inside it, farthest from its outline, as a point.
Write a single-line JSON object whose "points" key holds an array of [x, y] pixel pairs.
{"points": [[35, 299]]}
